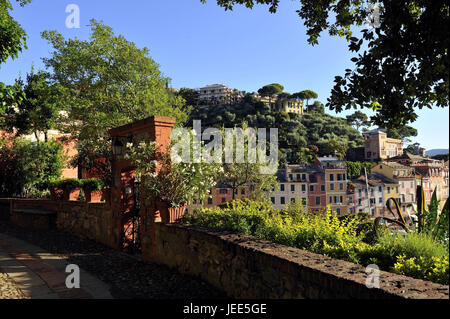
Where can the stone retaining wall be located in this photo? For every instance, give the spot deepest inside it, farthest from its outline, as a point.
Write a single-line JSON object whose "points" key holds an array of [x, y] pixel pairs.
{"points": [[245, 267], [5, 209], [88, 220]]}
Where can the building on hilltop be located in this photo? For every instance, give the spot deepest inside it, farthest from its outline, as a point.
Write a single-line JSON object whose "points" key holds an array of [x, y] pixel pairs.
{"points": [[219, 94], [378, 146], [290, 105], [285, 104]]}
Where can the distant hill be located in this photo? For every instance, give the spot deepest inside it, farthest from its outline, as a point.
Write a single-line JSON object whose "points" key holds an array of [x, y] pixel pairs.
{"points": [[436, 151]]}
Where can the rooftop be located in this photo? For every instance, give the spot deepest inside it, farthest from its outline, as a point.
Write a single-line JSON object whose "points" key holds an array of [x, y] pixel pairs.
{"points": [[374, 179]]}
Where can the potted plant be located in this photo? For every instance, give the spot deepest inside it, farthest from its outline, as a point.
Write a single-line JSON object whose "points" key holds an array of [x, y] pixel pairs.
{"points": [[55, 192], [175, 183], [92, 188], [95, 158], [71, 188]]}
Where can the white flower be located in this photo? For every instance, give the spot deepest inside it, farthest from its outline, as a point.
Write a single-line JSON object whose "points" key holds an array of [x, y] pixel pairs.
{"points": [[176, 158], [129, 145]]}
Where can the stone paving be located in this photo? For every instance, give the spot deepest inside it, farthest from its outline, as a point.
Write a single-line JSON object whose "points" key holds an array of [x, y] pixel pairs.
{"points": [[9, 289], [38, 270], [36, 274]]}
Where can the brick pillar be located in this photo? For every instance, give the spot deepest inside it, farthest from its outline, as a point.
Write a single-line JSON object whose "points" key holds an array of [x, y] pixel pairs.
{"points": [[157, 129]]}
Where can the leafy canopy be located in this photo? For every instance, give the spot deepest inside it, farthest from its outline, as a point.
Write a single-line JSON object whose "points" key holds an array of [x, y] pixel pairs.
{"points": [[12, 36], [12, 42], [109, 82], [401, 63], [39, 110]]}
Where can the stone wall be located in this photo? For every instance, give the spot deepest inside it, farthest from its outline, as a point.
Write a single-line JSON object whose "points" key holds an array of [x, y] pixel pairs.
{"points": [[245, 267], [88, 220], [5, 209]]}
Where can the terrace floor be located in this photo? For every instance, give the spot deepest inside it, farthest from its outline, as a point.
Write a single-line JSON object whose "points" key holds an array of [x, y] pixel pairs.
{"points": [[33, 264]]}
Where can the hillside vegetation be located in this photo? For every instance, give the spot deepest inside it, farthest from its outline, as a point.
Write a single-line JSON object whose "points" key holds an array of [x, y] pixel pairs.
{"points": [[297, 135]]}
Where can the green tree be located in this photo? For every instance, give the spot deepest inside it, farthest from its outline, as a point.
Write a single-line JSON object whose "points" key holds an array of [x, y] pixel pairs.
{"points": [[108, 82], [39, 111], [234, 175], [191, 96], [402, 133], [12, 42], [284, 95], [271, 90], [27, 167], [441, 157], [317, 107], [338, 148], [12, 36], [307, 95], [402, 59], [413, 149], [356, 169], [358, 120]]}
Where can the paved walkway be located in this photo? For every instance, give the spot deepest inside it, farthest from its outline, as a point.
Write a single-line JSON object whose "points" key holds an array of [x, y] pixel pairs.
{"points": [[39, 270], [28, 271]]}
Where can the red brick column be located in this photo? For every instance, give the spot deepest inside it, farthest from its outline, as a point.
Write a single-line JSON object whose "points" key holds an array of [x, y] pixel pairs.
{"points": [[157, 129]]}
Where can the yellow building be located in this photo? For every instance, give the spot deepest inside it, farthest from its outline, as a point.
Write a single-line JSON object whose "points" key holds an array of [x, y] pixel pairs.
{"points": [[290, 106], [287, 105], [404, 176], [335, 183], [378, 146]]}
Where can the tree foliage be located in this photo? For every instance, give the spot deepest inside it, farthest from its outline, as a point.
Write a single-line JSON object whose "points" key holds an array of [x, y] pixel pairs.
{"points": [[296, 134], [271, 90], [356, 169], [191, 96], [12, 36], [358, 120], [12, 42], [38, 111], [28, 167], [402, 133], [402, 59], [109, 82]]}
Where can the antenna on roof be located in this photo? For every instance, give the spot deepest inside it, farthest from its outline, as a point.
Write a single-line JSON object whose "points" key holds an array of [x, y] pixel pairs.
{"points": [[367, 188]]}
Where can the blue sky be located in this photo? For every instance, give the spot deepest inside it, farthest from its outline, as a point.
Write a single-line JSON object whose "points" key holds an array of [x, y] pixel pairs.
{"points": [[198, 44]]}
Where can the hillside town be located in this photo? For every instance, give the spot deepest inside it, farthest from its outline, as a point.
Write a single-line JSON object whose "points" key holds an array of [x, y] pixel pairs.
{"points": [[325, 182], [207, 152]]}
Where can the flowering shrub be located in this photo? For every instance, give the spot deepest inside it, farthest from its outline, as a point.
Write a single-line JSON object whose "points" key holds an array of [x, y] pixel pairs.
{"points": [[177, 182], [341, 238], [432, 269]]}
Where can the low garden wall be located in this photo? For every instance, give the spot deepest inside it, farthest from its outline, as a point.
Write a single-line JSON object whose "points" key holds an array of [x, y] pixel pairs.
{"points": [[88, 220], [246, 267], [240, 265], [5, 209]]}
